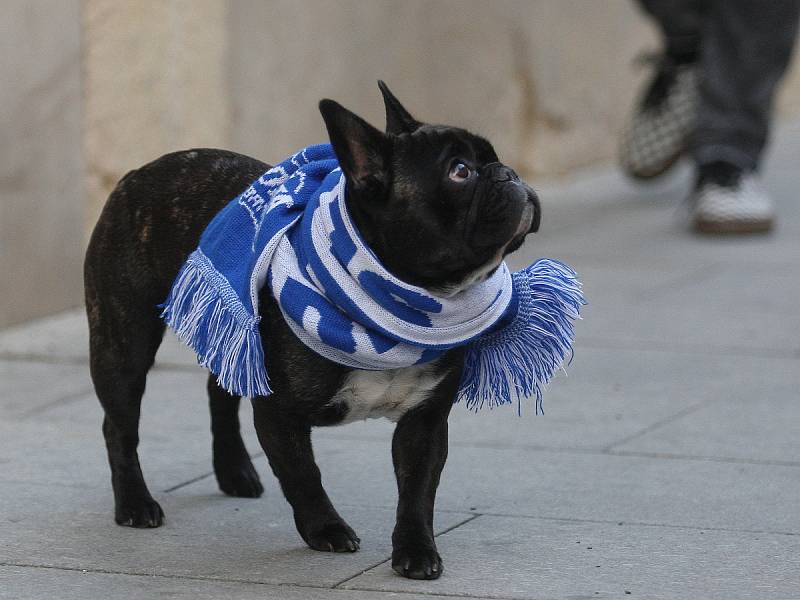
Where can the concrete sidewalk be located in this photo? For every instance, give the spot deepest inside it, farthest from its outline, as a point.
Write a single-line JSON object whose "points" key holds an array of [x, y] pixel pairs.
{"points": [[667, 464]]}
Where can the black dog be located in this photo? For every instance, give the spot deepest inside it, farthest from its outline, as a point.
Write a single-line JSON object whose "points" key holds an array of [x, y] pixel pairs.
{"points": [[437, 208]]}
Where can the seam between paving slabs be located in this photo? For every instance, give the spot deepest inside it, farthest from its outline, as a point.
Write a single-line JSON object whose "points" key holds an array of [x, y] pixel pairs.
{"points": [[591, 451], [594, 343], [44, 358], [202, 476], [336, 587], [435, 594], [60, 401], [566, 450], [583, 520], [343, 591], [658, 424], [567, 519], [385, 560], [589, 342], [162, 575], [703, 458], [79, 361], [636, 524]]}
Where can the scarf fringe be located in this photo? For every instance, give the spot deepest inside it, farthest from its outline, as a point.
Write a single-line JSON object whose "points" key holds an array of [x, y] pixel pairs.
{"points": [[226, 340], [518, 360]]}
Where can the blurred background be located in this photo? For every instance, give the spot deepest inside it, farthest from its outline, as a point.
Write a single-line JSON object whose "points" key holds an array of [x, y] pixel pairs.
{"points": [[93, 88]]}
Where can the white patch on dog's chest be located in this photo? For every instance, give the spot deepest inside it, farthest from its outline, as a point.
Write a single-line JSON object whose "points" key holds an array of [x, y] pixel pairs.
{"points": [[390, 394]]}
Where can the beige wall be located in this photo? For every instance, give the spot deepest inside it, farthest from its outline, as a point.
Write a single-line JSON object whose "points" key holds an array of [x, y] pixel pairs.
{"points": [[94, 88], [154, 80], [548, 81], [542, 79], [41, 168]]}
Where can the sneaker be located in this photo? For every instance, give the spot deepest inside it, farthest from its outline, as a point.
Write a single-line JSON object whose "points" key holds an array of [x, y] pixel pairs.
{"points": [[729, 200], [657, 133]]}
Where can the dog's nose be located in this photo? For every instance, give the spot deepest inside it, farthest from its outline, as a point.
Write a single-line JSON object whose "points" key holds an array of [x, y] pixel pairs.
{"points": [[499, 172]]}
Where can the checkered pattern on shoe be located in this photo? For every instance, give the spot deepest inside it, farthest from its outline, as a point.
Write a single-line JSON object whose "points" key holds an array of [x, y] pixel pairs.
{"points": [[743, 207], [657, 132]]}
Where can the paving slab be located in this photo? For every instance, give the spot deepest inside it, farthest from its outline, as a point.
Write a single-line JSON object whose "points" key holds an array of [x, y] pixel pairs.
{"points": [[35, 583], [693, 301], [206, 534], [552, 483], [508, 557], [64, 444], [663, 309], [757, 424], [65, 337], [29, 388], [739, 288], [559, 484], [610, 395]]}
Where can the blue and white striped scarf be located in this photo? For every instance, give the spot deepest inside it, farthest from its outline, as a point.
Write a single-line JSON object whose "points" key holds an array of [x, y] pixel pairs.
{"points": [[291, 230]]}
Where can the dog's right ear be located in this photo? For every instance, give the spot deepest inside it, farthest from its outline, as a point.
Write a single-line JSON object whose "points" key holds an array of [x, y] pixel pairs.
{"points": [[398, 119], [362, 150]]}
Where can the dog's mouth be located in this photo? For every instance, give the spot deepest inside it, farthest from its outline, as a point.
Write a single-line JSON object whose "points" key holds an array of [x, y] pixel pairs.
{"points": [[523, 229]]}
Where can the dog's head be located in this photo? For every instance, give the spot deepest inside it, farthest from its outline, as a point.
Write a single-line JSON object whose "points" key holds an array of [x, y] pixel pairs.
{"points": [[433, 202]]}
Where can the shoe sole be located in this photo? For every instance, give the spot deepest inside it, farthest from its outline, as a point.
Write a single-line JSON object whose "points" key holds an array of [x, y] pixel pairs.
{"points": [[656, 172], [733, 227]]}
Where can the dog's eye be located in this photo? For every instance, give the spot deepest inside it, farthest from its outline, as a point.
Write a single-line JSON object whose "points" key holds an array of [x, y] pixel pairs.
{"points": [[459, 171]]}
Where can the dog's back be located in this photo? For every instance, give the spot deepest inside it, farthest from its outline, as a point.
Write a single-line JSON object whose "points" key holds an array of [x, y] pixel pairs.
{"points": [[154, 218]]}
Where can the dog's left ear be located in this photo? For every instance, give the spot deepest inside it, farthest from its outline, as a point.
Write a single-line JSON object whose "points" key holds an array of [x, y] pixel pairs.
{"points": [[398, 119], [362, 150]]}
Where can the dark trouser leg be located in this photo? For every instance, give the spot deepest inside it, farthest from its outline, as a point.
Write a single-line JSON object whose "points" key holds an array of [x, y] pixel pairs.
{"points": [[232, 466], [746, 47], [680, 22]]}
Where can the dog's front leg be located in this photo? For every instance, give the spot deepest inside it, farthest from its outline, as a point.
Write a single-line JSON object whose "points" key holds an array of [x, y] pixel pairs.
{"points": [[286, 439], [419, 451]]}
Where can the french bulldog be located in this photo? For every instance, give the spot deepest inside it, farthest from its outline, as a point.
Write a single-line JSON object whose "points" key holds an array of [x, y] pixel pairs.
{"points": [[437, 208]]}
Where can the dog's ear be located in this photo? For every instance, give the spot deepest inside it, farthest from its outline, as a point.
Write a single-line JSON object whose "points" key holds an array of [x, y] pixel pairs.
{"points": [[362, 150], [398, 119]]}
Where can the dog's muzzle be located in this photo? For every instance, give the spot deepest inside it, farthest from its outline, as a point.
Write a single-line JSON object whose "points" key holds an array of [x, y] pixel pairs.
{"points": [[518, 205]]}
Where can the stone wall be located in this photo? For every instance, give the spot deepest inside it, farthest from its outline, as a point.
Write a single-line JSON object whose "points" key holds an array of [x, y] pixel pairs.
{"points": [[41, 167], [154, 80], [546, 80]]}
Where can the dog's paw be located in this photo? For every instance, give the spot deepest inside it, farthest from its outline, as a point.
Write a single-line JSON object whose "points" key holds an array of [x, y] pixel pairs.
{"points": [[143, 513], [417, 563], [333, 537], [240, 480]]}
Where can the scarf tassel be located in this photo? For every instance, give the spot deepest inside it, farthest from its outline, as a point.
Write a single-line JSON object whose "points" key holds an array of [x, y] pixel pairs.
{"points": [[221, 332], [517, 361]]}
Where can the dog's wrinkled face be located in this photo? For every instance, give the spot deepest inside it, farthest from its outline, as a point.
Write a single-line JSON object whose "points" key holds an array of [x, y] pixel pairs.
{"points": [[433, 202]]}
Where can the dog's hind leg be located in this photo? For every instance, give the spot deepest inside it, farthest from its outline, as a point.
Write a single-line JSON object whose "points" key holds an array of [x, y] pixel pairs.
{"points": [[235, 473], [287, 441], [122, 349]]}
